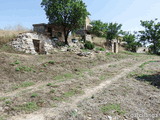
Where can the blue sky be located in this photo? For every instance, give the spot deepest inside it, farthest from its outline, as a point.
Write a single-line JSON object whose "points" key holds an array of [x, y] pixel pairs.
{"points": [[127, 12]]}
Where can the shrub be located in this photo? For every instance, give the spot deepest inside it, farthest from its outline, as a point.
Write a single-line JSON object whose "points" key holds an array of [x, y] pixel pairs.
{"points": [[100, 49], [34, 95], [24, 68], [51, 62], [112, 107], [89, 45]]}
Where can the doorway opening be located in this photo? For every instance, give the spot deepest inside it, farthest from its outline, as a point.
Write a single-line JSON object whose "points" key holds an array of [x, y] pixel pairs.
{"points": [[36, 44]]}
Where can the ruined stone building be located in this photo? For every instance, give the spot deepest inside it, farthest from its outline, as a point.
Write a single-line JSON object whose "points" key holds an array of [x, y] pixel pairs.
{"points": [[54, 31], [49, 30]]}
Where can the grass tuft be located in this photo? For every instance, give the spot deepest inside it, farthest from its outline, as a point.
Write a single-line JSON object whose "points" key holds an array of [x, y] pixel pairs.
{"points": [[112, 107]]}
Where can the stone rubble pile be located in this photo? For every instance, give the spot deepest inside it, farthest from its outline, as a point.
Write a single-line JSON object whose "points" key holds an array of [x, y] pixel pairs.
{"points": [[24, 43]]}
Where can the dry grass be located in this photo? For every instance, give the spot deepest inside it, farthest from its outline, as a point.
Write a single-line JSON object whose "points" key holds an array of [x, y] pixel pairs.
{"points": [[9, 33]]}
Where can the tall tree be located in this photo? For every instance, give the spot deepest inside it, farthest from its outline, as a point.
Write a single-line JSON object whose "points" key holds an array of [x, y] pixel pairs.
{"points": [[113, 31], [132, 44], [69, 14], [151, 33], [99, 28], [108, 30]]}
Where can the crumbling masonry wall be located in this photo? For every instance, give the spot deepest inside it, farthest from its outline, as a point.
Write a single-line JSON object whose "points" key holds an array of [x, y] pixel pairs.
{"points": [[24, 43]]}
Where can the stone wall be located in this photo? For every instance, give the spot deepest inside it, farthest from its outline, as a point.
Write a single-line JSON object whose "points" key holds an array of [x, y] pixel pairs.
{"points": [[100, 41], [142, 50], [24, 43], [39, 28]]}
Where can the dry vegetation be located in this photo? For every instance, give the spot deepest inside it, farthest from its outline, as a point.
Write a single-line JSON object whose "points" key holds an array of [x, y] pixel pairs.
{"points": [[9, 33], [31, 83], [47, 84]]}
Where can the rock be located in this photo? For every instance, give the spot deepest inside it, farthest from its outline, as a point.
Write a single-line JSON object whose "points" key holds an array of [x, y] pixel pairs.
{"points": [[64, 49], [84, 54], [109, 117]]}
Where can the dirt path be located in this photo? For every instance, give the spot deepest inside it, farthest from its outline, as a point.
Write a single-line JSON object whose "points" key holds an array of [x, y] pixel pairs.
{"points": [[37, 85], [54, 113]]}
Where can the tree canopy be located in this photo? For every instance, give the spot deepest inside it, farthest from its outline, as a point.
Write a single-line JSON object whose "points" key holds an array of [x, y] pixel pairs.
{"points": [[108, 30], [69, 14], [151, 34], [99, 28], [132, 44], [113, 31]]}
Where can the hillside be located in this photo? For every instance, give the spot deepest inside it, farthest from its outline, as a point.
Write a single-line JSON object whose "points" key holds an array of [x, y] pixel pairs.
{"points": [[64, 86]]}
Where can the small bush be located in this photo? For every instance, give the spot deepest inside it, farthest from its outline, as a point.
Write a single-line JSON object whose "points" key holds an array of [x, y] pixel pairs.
{"points": [[112, 107], [23, 85], [24, 68], [51, 62], [89, 45], [28, 107], [100, 49], [52, 91], [109, 53], [34, 95], [15, 63]]}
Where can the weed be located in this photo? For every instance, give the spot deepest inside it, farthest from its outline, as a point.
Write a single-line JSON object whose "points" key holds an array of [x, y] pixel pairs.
{"points": [[89, 45], [130, 53], [100, 49], [52, 91], [8, 102], [16, 62], [102, 77], [90, 72], [85, 50], [51, 62], [109, 53], [45, 65], [112, 107], [28, 107], [68, 75], [54, 105], [52, 85], [56, 98], [71, 93], [64, 76], [2, 118], [132, 74], [112, 65], [34, 95], [142, 65], [24, 68], [24, 84], [58, 77], [18, 69], [49, 84], [74, 113], [7, 48], [3, 98]]}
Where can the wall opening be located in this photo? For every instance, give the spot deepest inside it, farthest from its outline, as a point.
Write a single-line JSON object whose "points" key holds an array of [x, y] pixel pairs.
{"points": [[36, 44]]}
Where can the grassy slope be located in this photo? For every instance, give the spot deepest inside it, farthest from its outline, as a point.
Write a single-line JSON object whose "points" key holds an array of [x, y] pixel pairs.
{"points": [[54, 74]]}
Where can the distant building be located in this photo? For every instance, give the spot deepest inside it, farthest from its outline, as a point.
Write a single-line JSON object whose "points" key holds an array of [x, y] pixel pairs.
{"points": [[142, 50], [55, 31], [50, 30]]}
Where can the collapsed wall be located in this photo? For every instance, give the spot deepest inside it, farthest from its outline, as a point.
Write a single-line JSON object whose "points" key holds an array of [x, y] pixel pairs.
{"points": [[32, 43]]}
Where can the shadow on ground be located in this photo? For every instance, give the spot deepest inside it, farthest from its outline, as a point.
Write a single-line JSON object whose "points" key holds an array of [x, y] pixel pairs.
{"points": [[152, 79]]}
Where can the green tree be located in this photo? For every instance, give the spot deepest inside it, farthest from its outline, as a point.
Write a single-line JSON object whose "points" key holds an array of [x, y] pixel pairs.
{"points": [[151, 34], [69, 14], [108, 30], [99, 28], [132, 44], [113, 31]]}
